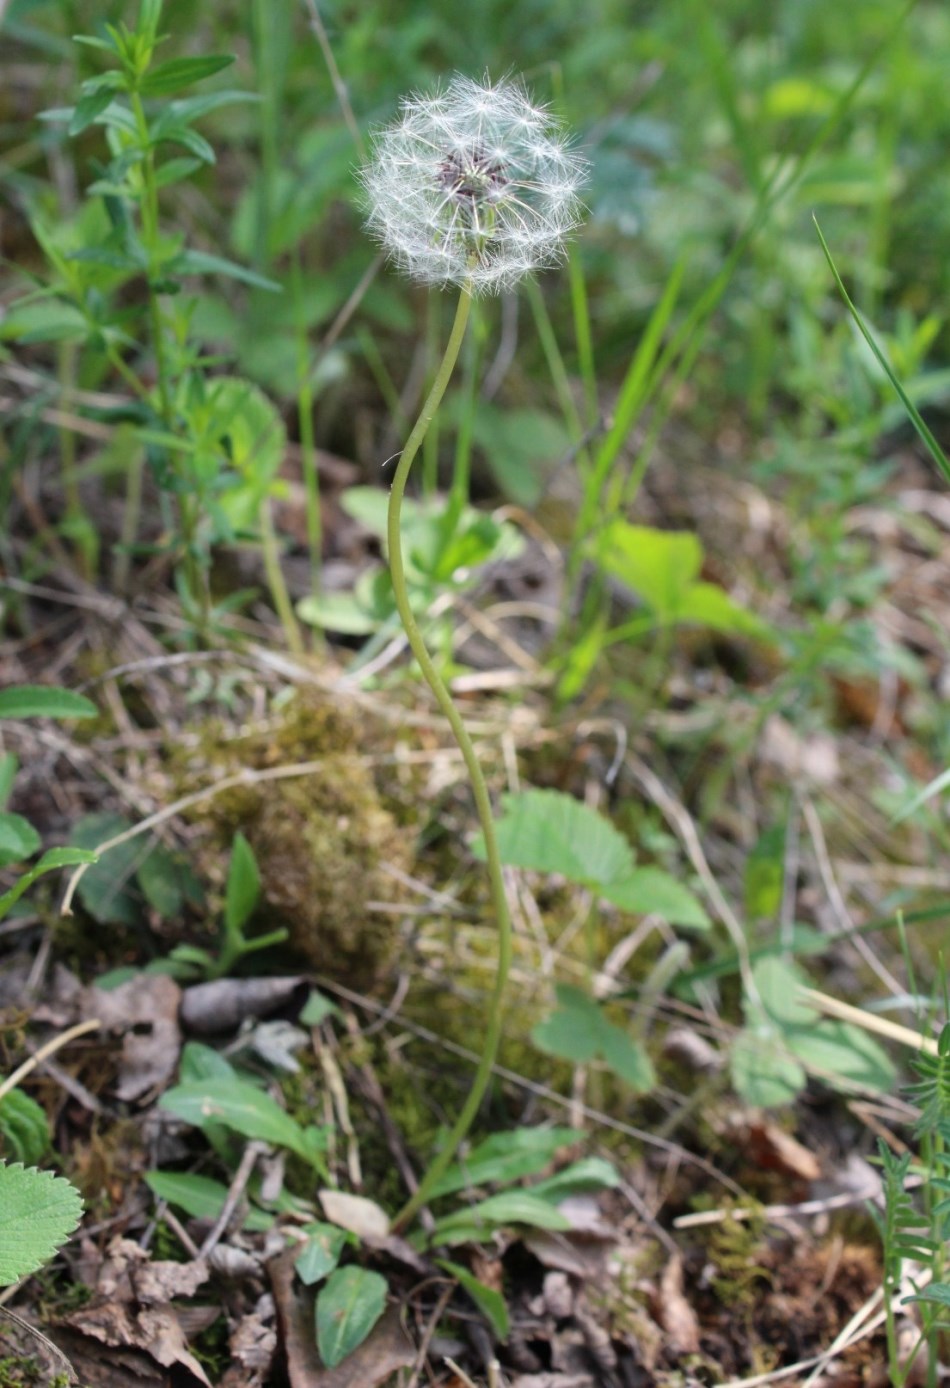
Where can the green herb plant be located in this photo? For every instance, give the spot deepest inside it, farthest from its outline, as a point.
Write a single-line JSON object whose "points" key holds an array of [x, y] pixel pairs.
{"points": [[915, 1228], [213, 445], [227, 1104]]}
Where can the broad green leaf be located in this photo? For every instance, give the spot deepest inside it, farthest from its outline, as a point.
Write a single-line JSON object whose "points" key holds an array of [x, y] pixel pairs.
{"points": [[317, 1009], [243, 885], [626, 1058], [48, 320], [651, 891], [591, 1173], [24, 1131], [777, 983], [573, 1030], [201, 1197], [522, 448], [659, 565], [51, 860], [510, 1207], [548, 831], [321, 1253], [18, 839], [506, 1157], [491, 1303], [340, 612], [200, 1062], [38, 1212], [237, 1105], [44, 701], [708, 605], [107, 891], [836, 1049], [168, 883], [181, 72], [347, 1309], [763, 1073]]}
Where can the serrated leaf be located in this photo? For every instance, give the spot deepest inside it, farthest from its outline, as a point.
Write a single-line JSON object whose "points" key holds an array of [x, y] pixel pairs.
{"points": [[651, 891], [491, 1303], [44, 701], [572, 1031], [347, 1309], [181, 72], [548, 831], [321, 1253], [38, 1212], [201, 1197], [237, 1105]]}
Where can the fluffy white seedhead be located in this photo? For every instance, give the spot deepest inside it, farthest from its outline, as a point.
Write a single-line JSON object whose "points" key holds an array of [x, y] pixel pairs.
{"points": [[473, 184]]}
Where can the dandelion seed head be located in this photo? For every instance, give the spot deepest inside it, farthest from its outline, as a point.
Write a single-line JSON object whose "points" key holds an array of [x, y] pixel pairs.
{"points": [[473, 184]]}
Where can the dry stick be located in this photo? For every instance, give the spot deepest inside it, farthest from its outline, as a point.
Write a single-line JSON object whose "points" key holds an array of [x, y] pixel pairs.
{"points": [[833, 1007], [50, 1048], [252, 1151]]}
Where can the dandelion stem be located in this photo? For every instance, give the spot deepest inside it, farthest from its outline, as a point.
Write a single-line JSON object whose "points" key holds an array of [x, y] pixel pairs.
{"points": [[479, 788]]}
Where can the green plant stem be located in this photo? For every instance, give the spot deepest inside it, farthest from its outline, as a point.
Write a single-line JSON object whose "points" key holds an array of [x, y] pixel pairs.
{"points": [[479, 786], [275, 581]]}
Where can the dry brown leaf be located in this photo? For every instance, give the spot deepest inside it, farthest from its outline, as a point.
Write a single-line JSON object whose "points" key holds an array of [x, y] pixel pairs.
{"points": [[145, 1012], [674, 1312]]}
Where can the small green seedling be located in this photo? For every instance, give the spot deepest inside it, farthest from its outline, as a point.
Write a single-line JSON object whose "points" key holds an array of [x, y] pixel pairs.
{"points": [[242, 893], [18, 839]]}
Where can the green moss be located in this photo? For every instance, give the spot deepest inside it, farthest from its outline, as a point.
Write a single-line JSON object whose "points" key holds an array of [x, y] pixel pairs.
{"points": [[323, 840]]}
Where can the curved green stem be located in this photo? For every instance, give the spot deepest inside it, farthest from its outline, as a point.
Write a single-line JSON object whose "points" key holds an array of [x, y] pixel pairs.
{"points": [[480, 790]]}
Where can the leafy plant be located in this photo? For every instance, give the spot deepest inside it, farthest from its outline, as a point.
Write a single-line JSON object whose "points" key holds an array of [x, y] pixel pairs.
{"points": [[18, 839], [550, 832], [38, 1212], [240, 899]]}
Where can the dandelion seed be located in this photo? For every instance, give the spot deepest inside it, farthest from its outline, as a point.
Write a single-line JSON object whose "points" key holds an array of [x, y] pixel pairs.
{"points": [[473, 185]]}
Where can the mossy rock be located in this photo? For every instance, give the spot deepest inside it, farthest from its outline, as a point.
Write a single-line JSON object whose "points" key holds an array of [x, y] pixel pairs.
{"points": [[322, 840]]}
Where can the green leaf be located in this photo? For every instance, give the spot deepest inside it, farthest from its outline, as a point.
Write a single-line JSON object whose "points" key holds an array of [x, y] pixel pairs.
{"points": [[765, 874], [491, 1303], [659, 565], [44, 701], [572, 1031], [52, 859], [18, 839], [923, 429], [626, 1058], [548, 831], [243, 886], [510, 1207], [204, 263], [506, 1157], [763, 1073], [347, 1309], [321, 1253], [38, 1212], [317, 1009], [237, 1105], [90, 105], [48, 320], [107, 891], [201, 1197], [9, 766], [181, 72], [591, 1173], [340, 612], [651, 891], [578, 1031], [23, 1127]]}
